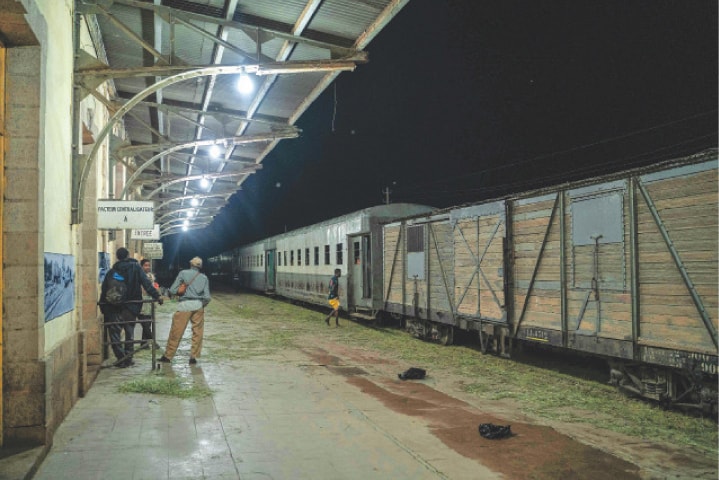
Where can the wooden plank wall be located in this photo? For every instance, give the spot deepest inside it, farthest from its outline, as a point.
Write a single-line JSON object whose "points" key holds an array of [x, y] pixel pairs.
{"points": [[441, 264], [393, 265], [529, 225], [687, 206], [471, 237]]}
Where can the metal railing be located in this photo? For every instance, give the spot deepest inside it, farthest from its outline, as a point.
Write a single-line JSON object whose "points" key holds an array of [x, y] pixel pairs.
{"points": [[107, 341]]}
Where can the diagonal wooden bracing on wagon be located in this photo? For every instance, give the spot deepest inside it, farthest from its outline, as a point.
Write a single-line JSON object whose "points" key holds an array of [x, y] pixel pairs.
{"points": [[171, 67]]}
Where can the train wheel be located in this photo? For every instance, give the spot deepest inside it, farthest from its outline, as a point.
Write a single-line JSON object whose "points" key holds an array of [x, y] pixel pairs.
{"points": [[446, 334], [484, 340]]}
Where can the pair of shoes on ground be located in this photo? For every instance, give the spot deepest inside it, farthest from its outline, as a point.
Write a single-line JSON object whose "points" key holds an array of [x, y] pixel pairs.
{"points": [[164, 359]]}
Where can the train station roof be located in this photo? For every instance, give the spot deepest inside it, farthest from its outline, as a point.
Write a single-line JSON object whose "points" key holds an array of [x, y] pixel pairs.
{"points": [[205, 89]]}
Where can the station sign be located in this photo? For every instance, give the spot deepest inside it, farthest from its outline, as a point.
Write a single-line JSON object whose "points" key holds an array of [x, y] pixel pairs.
{"points": [[146, 233], [125, 214], [152, 250]]}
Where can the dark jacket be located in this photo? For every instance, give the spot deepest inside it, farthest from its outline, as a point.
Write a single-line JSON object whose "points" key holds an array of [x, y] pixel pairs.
{"points": [[135, 278]]}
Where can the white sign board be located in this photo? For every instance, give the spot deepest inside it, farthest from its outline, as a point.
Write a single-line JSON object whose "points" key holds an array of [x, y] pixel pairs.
{"points": [[122, 214], [146, 233], [152, 250]]}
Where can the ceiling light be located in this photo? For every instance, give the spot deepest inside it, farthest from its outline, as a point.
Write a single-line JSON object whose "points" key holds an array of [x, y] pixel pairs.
{"points": [[184, 228], [186, 223], [214, 151], [204, 183], [190, 213], [245, 84], [194, 202]]}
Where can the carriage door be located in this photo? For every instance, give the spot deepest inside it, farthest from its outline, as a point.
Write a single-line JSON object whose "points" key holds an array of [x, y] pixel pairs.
{"points": [[270, 268], [360, 272]]}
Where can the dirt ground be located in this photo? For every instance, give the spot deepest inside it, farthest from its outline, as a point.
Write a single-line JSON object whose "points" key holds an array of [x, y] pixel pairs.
{"points": [[538, 448]]}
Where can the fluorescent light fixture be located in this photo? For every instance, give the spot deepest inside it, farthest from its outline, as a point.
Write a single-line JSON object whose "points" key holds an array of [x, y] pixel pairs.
{"points": [[194, 202], [204, 183], [215, 151]]}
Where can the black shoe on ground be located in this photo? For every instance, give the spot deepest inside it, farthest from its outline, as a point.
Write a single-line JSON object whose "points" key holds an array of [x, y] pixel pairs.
{"points": [[193, 361], [164, 359], [327, 321]]}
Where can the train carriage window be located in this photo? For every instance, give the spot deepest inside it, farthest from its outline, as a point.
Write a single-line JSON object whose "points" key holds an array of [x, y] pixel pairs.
{"points": [[317, 255], [279, 259], [285, 259], [292, 257], [415, 252], [299, 257], [262, 261], [307, 256], [327, 254], [356, 251], [339, 254]]}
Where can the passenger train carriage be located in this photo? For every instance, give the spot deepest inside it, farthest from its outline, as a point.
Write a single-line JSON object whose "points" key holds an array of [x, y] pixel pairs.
{"points": [[299, 264], [623, 267]]}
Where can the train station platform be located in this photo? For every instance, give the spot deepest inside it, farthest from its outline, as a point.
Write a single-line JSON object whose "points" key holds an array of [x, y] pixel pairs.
{"points": [[283, 416]]}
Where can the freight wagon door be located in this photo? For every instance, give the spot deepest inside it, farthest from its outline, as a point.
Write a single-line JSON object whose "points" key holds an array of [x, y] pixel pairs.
{"points": [[479, 234]]}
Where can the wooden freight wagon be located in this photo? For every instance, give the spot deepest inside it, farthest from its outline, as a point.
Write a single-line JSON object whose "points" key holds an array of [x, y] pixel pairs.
{"points": [[446, 271], [624, 267]]}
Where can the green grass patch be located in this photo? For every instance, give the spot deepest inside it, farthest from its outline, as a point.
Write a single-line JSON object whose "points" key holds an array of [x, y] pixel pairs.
{"points": [[161, 385]]}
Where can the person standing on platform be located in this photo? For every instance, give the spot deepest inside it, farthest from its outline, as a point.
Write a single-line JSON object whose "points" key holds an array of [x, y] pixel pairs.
{"points": [[145, 316], [121, 316], [334, 298], [191, 307]]}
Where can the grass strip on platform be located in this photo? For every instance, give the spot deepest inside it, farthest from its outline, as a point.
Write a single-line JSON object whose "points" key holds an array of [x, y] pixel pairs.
{"points": [[161, 385]]}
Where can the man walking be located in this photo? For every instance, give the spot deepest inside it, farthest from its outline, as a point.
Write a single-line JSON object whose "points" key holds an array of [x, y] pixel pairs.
{"points": [[122, 315], [190, 308], [334, 298]]}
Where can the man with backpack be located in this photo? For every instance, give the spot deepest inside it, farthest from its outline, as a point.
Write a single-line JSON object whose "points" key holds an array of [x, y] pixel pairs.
{"points": [[121, 302]]}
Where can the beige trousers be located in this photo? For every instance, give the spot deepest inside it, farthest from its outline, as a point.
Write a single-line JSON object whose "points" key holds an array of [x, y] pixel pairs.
{"points": [[179, 324]]}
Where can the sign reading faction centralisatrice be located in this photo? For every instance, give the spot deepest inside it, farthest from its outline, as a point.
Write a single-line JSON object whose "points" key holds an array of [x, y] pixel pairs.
{"points": [[122, 214]]}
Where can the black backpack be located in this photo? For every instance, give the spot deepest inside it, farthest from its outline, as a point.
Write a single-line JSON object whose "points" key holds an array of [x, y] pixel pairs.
{"points": [[116, 292]]}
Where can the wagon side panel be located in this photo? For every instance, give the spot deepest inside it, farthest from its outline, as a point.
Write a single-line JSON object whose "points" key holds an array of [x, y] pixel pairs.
{"points": [[677, 238], [393, 268], [440, 249], [479, 234], [536, 266]]}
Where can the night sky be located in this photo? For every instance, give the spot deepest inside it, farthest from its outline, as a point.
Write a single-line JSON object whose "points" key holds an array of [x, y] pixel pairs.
{"points": [[466, 100]]}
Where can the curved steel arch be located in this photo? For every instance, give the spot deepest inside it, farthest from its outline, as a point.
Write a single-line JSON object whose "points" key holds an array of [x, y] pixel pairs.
{"points": [[201, 72], [209, 176], [201, 196], [199, 143]]}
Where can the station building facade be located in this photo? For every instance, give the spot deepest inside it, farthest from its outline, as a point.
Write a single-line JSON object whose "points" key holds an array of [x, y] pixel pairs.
{"points": [[51, 326]]}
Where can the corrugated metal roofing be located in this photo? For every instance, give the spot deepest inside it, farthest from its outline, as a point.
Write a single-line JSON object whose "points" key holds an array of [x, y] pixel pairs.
{"points": [[302, 45]]}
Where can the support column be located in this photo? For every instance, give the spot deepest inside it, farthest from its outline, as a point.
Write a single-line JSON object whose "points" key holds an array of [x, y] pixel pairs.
{"points": [[24, 372]]}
